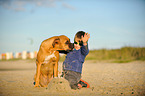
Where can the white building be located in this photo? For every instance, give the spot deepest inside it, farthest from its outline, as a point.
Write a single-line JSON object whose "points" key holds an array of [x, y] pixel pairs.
{"points": [[24, 55]]}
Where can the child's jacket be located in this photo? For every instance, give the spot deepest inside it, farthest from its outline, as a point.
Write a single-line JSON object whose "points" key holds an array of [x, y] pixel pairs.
{"points": [[75, 59]]}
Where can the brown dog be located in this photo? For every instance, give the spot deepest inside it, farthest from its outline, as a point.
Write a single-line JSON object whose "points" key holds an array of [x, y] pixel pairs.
{"points": [[48, 57]]}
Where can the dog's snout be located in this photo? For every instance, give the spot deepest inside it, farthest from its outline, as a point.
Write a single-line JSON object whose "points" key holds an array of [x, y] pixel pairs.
{"points": [[71, 46]]}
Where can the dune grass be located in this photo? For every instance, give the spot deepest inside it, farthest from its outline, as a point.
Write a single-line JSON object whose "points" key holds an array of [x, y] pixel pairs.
{"points": [[122, 55]]}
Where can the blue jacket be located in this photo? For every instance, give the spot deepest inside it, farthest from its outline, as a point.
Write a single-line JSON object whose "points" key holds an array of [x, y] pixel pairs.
{"points": [[75, 59]]}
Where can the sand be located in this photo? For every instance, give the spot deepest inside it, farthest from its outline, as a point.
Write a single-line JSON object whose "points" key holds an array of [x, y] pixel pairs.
{"points": [[112, 79]]}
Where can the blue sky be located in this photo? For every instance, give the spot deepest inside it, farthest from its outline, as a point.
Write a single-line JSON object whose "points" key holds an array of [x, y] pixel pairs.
{"points": [[24, 24]]}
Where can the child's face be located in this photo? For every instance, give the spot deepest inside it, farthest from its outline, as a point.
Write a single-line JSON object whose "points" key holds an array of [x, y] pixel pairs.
{"points": [[77, 46]]}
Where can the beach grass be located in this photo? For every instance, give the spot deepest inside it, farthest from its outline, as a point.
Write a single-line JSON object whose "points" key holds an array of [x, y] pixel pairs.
{"points": [[122, 55]]}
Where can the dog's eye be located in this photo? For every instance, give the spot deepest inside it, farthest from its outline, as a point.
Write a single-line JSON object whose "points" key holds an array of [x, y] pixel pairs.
{"points": [[67, 42]]}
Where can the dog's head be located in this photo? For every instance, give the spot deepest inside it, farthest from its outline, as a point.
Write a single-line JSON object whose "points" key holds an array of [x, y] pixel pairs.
{"points": [[65, 43], [57, 43], [52, 43]]}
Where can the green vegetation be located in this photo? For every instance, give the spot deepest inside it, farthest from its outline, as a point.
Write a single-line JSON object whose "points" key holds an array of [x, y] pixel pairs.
{"points": [[123, 55], [10, 59]]}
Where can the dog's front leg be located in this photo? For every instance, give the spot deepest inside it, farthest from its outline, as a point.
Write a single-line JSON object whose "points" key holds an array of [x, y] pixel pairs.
{"points": [[56, 69], [37, 75]]}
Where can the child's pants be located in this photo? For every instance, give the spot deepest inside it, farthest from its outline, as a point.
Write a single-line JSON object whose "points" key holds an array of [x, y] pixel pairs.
{"points": [[72, 77]]}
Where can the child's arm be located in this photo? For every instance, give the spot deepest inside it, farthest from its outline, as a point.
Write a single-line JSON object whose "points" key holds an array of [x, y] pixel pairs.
{"points": [[84, 48]]}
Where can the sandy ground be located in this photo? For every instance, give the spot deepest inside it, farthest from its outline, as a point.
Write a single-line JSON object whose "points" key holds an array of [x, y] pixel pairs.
{"points": [[112, 79]]}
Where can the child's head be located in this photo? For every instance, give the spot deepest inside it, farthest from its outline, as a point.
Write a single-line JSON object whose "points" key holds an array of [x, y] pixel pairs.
{"points": [[78, 40]]}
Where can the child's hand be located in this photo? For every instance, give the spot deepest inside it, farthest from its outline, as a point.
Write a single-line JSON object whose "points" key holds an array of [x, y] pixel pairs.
{"points": [[85, 38]]}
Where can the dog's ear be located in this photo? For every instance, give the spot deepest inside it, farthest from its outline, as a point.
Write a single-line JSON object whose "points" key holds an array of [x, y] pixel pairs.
{"points": [[56, 41]]}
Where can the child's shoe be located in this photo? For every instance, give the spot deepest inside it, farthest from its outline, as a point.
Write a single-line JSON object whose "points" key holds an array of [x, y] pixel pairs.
{"points": [[83, 83]]}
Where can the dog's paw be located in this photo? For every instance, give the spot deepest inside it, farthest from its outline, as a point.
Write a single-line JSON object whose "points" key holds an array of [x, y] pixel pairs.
{"points": [[36, 86]]}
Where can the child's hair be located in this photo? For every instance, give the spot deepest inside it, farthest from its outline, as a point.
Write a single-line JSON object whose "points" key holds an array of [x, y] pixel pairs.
{"points": [[79, 34]]}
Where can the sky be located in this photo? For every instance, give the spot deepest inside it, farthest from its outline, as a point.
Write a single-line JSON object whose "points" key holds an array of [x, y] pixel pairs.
{"points": [[112, 24]]}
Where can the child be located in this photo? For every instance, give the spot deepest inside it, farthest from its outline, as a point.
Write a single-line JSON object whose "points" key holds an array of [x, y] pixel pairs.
{"points": [[73, 63]]}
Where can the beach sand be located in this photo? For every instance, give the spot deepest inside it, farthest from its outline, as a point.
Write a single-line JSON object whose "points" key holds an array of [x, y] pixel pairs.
{"points": [[112, 79]]}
